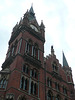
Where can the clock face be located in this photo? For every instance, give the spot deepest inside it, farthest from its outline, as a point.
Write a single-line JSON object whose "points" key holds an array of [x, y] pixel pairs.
{"points": [[34, 27]]}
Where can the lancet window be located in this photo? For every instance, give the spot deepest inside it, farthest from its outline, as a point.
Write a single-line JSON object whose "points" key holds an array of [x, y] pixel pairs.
{"points": [[34, 73], [3, 83], [24, 83], [36, 51], [34, 88], [26, 68], [28, 49], [49, 82]]}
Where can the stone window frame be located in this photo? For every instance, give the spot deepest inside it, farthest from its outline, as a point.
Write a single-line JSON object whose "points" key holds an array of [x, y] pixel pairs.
{"points": [[24, 83], [26, 68], [34, 90], [28, 47], [34, 73], [3, 82]]}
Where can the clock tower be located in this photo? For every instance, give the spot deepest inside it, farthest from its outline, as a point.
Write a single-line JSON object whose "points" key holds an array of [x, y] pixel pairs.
{"points": [[22, 70], [26, 74]]}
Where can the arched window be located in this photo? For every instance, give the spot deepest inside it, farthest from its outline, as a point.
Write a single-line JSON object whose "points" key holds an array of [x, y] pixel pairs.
{"points": [[34, 88], [24, 83], [9, 97], [34, 73], [3, 83], [49, 82], [28, 49], [13, 49], [49, 95], [26, 68], [36, 51]]}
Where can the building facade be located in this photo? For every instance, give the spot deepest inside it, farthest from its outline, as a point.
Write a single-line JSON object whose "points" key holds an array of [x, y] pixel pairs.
{"points": [[26, 74]]}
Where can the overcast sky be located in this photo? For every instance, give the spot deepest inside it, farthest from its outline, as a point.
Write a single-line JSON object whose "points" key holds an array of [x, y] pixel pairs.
{"points": [[58, 17]]}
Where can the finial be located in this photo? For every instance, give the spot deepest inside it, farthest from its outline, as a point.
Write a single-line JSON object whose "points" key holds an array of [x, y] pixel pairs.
{"points": [[42, 25], [52, 50], [32, 5]]}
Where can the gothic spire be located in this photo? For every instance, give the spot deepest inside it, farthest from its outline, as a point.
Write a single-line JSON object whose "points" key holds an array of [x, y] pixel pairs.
{"points": [[31, 10], [65, 63]]}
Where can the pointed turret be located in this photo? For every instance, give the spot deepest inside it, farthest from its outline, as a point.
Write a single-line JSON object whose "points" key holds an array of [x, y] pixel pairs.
{"points": [[42, 29]]}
